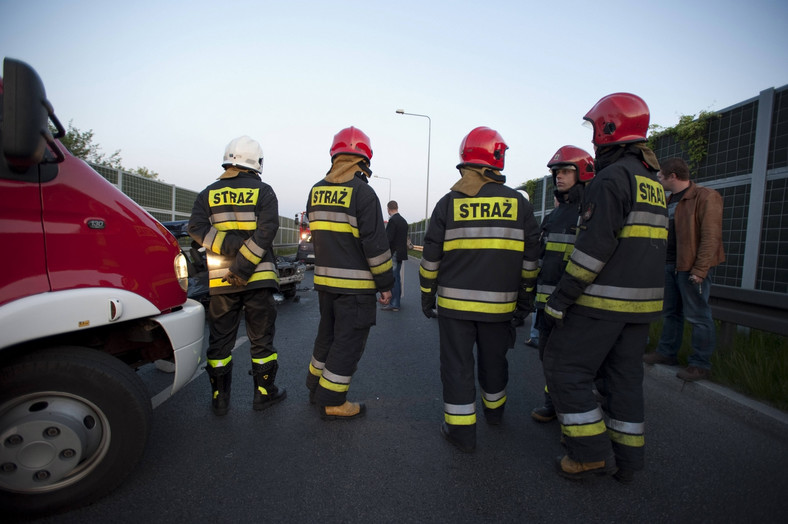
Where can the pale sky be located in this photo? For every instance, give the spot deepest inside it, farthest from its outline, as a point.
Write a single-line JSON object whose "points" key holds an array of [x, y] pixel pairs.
{"points": [[170, 83]]}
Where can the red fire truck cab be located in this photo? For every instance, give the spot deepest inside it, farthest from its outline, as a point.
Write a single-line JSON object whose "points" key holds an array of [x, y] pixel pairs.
{"points": [[92, 287]]}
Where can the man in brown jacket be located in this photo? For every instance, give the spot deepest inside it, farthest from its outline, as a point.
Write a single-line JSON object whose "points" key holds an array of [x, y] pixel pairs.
{"points": [[694, 248]]}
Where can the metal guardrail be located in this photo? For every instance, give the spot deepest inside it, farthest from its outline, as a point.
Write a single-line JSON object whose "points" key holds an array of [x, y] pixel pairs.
{"points": [[752, 308]]}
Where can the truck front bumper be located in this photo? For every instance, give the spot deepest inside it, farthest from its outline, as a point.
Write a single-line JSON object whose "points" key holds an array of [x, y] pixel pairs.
{"points": [[186, 330]]}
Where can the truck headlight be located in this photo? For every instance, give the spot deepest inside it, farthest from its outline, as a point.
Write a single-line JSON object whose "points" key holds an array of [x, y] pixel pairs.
{"points": [[182, 271]]}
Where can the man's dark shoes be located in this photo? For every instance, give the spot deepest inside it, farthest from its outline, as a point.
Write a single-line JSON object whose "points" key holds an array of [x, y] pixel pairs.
{"points": [[543, 414], [692, 373], [572, 469], [659, 358], [624, 475], [465, 448], [533, 342]]}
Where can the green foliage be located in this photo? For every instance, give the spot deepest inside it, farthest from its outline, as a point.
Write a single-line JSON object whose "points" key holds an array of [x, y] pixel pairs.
{"points": [[755, 364], [81, 145], [529, 187], [690, 133], [146, 173]]}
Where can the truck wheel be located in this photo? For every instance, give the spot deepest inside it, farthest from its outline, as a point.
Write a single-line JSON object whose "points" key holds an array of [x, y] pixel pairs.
{"points": [[73, 424]]}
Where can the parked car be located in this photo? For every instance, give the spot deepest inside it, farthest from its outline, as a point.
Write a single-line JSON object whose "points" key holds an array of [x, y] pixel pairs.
{"points": [[290, 273]]}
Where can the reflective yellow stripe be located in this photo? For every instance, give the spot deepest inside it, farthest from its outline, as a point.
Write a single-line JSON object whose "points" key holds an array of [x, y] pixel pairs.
{"points": [[530, 274], [248, 255], [425, 290], [620, 306], [314, 371], [327, 384], [428, 274], [659, 233], [262, 275], [219, 363], [492, 404], [584, 430], [218, 240], [579, 272], [262, 390], [263, 360], [382, 268], [337, 227], [558, 246], [479, 307], [635, 441], [460, 420], [344, 283], [236, 226], [484, 243], [542, 297]]}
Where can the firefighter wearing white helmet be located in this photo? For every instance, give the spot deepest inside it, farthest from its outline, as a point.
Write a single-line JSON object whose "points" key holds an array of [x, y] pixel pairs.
{"points": [[480, 262], [236, 219]]}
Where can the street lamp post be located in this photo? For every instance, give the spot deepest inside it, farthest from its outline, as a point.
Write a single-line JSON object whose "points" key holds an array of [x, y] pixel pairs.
{"points": [[429, 140], [384, 178]]}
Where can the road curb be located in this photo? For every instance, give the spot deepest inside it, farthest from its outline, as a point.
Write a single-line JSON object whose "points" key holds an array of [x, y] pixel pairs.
{"points": [[708, 391]]}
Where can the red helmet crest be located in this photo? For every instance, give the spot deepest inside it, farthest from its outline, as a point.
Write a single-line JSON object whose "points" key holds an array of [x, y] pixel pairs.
{"points": [[620, 118], [575, 157], [484, 147], [353, 141]]}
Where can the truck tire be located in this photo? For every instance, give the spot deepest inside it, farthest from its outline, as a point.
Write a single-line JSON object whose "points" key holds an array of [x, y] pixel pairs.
{"points": [[73, 423]]}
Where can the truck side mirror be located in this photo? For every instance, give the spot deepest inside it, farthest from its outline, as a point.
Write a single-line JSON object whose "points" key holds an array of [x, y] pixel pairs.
{"points": [[26, 114]]}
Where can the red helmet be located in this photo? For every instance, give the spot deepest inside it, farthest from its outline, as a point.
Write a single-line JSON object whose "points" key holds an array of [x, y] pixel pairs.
{"points": [[619, 118], [353, 141], [574, 157], [484, 147]]}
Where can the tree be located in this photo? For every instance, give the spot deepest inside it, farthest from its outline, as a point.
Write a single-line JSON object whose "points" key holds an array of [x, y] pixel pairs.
{"points": [[81, 145], [690, 133]]}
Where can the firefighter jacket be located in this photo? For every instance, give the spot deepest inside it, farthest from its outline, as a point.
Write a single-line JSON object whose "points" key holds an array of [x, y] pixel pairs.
{"points": [[616, 270], [351, 247], [236, 219], [698, 226], [481, 251], [558, 240]]}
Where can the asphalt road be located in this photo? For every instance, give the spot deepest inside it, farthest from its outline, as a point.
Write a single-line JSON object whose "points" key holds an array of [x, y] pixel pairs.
{"points": [[708, 460]]}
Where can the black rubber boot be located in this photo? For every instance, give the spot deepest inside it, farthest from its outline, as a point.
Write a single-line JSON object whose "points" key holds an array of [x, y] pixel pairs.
{"points": [[266, 394], [547, 412], [220, 378]]}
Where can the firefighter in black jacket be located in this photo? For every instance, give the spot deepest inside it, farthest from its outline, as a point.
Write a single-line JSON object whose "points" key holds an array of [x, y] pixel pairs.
{"points": [[611, 290], [572, 168], [352, 264], [236, 219], [480, 258]]}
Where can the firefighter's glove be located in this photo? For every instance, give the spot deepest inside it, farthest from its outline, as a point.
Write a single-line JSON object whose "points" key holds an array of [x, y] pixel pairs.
{"points": [[428, 305], [525, 301], [518, 318], [555, 313], [234, 280]]}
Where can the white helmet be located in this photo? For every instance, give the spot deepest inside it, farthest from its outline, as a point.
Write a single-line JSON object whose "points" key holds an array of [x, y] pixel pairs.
{"points": [[244, 152]]}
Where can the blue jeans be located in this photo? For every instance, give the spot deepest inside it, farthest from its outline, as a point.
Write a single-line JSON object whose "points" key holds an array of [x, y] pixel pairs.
{"points": [[534, 334], [684, 300], [396, 291]]}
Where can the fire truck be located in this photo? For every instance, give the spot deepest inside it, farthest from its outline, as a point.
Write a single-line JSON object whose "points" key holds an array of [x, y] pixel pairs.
{"points": [[92, 288]]}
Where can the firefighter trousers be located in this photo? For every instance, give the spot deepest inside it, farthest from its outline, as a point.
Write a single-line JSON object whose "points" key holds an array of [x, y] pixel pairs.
{"points": [[457, 339], [224, 315], [342, 334], [583, 350]]}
